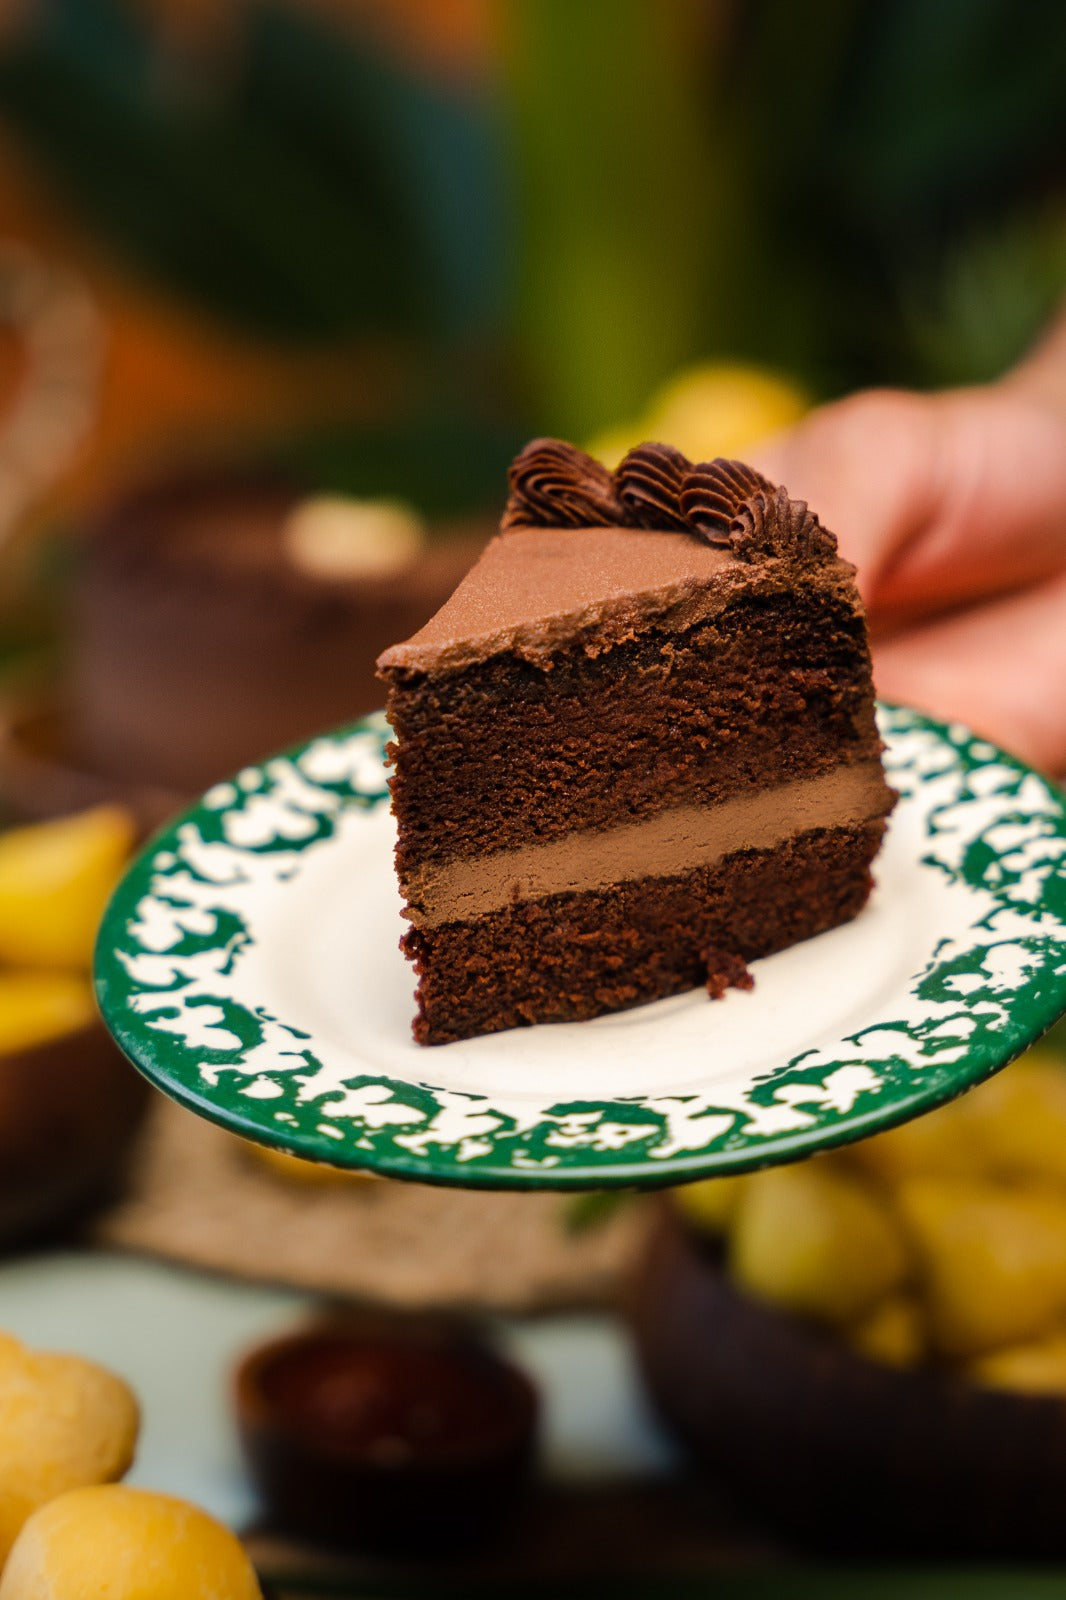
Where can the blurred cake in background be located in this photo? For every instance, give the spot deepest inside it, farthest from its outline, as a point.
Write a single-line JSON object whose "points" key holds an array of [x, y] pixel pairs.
{"points": [[218, 620], [216, 617]]}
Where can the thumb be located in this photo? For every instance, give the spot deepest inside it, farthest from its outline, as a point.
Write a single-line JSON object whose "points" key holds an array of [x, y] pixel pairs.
{"points": [[866, 466]]}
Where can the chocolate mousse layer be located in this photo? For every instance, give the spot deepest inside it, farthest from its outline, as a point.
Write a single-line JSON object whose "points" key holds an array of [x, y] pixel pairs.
{"points": [[668, 844]]}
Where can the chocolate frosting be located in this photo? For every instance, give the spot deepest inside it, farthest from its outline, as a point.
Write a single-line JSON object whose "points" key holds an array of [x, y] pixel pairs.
{"points": [[724, 503], [649, 483], [713, 494], [587, 557], [556, 485], [536, 588], [773, 525]]}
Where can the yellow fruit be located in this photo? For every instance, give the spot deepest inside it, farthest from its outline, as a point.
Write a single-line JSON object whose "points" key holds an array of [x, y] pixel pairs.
{"points": [[940, 1144], [613, 443], [1013, 1126], [814, 1240], [722, 409], [709, 1205], [55, 879], [1018, 1119], [1038, 1368], [716, 409], [64, 1422], [992, 1260], [38, 1006], [892, 1333], [295, 1168], [115, 1543]]}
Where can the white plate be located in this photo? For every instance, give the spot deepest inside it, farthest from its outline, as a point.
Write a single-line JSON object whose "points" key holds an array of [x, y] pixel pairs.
{"points": [[249, 964]]}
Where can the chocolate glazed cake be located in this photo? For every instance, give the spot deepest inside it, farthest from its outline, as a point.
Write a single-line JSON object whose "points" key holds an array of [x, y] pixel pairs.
{"points": [[636, 748]]}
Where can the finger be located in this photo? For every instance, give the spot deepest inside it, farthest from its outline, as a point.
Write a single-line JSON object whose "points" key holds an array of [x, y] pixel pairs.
{"points": [[998, 514], [868, 467], [1000, 668], [937, 499]]}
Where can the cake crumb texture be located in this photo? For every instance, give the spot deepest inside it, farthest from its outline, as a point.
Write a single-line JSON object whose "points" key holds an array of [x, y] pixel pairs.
{"points": [[574, 956], [725, 971]]}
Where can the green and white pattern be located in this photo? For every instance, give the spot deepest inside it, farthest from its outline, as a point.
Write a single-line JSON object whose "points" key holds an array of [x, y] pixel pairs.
{"points": [[249, 965]]}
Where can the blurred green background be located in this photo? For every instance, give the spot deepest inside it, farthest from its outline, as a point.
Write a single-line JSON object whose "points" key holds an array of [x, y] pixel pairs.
{"points": [[391, 240]]}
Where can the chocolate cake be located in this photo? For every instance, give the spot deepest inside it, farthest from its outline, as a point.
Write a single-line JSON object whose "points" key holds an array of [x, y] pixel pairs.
{"points": [[636, 748]]}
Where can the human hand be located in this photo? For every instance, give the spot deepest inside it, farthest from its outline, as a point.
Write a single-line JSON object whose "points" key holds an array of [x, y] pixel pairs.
{"points": [[953, 508]]}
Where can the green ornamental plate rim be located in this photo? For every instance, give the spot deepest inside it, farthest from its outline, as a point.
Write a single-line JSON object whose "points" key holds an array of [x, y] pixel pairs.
{"points": [[993, 828]]}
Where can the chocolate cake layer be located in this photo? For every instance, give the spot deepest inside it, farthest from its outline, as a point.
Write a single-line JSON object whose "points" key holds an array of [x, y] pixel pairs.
{"points": [[665, 845], [572, 956], [774, 688]]}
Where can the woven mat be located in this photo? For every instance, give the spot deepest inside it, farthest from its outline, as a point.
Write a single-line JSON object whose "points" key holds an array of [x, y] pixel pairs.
{"points": [[200, 1196]]}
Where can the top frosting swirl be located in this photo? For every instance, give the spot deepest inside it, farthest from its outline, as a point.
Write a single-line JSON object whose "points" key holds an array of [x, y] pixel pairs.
{"points": [[727, 503], [556, 485], [649, 484]]}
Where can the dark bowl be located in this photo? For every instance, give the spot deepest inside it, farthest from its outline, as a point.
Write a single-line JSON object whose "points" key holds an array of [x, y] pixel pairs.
{"points": [[394, 1434], [835, 1451], [69, 1110]]}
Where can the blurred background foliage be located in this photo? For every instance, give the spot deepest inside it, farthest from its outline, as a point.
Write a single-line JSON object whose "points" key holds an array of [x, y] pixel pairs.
{"points": [[399, 237]]}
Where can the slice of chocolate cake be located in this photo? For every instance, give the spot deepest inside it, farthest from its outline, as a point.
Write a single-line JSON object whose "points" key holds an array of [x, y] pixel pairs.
{"points": [[635, 749]]}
